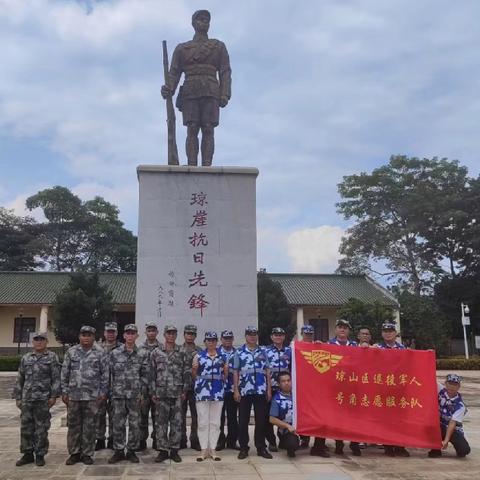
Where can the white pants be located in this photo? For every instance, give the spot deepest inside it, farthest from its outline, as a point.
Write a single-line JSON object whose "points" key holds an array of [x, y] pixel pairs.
{"points": [[209, 413]]}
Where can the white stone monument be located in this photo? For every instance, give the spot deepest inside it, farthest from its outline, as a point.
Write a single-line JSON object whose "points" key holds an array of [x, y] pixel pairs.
{"points": [[197, 248]]}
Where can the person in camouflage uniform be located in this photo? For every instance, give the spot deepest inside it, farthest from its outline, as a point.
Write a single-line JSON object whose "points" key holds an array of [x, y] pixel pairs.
{"points": [[84, 380], [148, 406], [36, 390], [190, 349], [128, 387], [109, 344], [170, 380]]}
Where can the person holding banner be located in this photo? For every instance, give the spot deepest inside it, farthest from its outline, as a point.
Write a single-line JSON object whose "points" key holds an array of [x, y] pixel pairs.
{"points": [[281, 414], [389, 336], [452, 411]]}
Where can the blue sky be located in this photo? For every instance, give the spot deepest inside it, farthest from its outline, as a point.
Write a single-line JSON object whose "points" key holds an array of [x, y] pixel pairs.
{"points": [[321, 89]]}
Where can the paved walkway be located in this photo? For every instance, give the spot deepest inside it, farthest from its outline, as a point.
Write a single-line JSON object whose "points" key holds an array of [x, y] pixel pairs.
{"points": [[372, 465]]}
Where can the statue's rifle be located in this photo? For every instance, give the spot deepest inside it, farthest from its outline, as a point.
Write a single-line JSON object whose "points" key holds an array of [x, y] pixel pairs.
{"points": [[172, 140]]}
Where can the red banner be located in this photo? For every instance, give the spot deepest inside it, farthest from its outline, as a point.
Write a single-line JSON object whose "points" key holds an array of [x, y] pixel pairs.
{"points": [[366, 394]]}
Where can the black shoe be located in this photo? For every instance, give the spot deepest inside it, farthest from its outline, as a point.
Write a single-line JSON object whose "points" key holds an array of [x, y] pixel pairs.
{"points": [[389, 452], [304, 444], [319, 452], [73, 459], [272, 448], [264, 453], [142, 446], [356, 452], [87, 460], [291, 453], [154, 444], [118, 456], [131, 457], [401, 452], [39, 460], [25, 459], [435, 453], [175, 456], [242, 454], [195, 445], [183, 444], [110, 443], [162, 456]]}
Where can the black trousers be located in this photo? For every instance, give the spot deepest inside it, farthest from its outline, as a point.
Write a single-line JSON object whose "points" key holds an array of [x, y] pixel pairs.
{"points": [[230, 411], [289, 441], [458, 441], [259, 403]]}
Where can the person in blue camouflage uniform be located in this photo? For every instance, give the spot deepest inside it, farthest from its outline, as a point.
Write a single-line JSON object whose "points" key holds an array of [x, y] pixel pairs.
{"points": [[129, 378], [190, 349], [148, 406], [280, 360], [452, 409], [251, 386], [281, 414], [105, 409], [209, 372], [84, 381], [230, 406], [170, 379], [36, 391], [389, 336]]}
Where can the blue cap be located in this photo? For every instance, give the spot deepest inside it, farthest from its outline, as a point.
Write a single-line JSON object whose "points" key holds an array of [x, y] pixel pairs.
{"points": [[307, 329], [454, 378], [389, 326], [251, 330], [227, 334], [211, 335]]}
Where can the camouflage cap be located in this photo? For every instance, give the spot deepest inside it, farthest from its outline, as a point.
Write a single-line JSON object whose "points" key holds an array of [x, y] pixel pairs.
{"points": [[151, 325], [211, 336], [227, 334], [170, 328], [454, 378], [389, 326], [87, 329], [190, 329], [111, 326], [251, 330], [278, 331], [41, 335], [341, 322], [307, 329], [130, 327]]}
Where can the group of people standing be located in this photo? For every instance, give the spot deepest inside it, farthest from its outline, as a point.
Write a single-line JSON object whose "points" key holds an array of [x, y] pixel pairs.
{"points": [[122, 384]]}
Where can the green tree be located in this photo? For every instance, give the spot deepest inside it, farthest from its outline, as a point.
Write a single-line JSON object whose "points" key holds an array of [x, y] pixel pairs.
{"points": [[398, 222], [422, 320], [371, 315], [83, 236], [66, 226], [84, 301], [20, 243], [273, 309]]}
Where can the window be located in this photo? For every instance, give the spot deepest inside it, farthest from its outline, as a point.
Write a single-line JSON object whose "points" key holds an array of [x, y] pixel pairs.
{"points": [[23, 328]]}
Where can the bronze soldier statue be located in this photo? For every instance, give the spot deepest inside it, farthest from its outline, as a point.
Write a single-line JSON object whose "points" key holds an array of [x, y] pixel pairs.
{"points": [[202, 92]]}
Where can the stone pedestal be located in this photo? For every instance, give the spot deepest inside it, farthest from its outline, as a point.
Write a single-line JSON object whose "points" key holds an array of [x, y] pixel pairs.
{"points": [[197, 248]]}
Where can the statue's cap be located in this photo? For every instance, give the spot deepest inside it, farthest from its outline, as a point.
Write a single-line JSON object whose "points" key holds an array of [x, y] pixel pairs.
{"points": [[201, 12]]}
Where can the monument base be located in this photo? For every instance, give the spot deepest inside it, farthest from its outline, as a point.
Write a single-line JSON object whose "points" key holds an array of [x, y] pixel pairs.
{"points": [[197, 248]]}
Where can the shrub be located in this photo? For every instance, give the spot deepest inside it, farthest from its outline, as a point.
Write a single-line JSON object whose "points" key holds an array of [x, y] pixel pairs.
{"points": [[9, 363], [472, 363]]}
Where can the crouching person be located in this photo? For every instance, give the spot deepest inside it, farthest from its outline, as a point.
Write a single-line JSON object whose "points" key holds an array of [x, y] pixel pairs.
{"points": [[452, 411], [36, 391], [281, 415], [128, 387]]}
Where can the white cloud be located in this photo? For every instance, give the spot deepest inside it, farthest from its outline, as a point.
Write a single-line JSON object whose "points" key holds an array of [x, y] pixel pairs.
{"points": [[314, 250]]}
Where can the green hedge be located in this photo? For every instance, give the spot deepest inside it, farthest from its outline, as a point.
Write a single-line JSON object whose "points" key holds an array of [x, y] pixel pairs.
{"points": [[9, 363], [472, 363]]}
